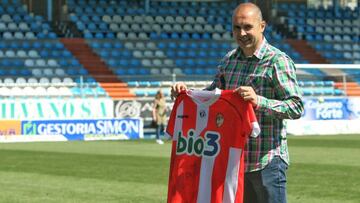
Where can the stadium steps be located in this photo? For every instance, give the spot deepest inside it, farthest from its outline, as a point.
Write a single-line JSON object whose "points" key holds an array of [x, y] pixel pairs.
{"points": [[311, 55], [97, 68], [351, 89], [306, 51], [117, 90]]}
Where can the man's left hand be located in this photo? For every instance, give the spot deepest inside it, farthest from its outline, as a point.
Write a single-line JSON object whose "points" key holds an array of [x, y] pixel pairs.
{"points": [[248, 94]]}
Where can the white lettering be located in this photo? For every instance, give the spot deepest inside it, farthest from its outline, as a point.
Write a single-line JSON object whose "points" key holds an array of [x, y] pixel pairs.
{"points": [[56, 108], [312, 104], [324, 113], [99, 127]]}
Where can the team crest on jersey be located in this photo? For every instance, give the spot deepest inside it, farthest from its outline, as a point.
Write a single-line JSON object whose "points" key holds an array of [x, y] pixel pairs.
{"points": [[219, 119]]}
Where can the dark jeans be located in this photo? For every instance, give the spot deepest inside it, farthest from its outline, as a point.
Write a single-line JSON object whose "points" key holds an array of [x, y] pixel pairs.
{"points": [[267, 185], [159, 130]]}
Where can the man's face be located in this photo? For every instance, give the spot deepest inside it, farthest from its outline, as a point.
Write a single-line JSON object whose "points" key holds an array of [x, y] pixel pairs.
{"points": [[248, 29]]}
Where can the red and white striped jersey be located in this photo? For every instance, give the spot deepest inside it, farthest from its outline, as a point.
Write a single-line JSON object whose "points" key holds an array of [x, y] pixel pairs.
{"points": [[209, 130]]}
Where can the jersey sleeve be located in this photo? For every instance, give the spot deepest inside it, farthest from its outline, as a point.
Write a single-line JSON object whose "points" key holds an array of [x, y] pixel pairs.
{"points": [[249, 124], [254, 123], [172, 119]]}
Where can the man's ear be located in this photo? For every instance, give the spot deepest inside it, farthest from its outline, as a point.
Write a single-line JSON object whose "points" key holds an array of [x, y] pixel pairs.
{"points": [[263, 25]]}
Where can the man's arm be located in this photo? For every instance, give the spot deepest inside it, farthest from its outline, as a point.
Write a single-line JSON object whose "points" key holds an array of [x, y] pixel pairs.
{"points": [[287, 103]]}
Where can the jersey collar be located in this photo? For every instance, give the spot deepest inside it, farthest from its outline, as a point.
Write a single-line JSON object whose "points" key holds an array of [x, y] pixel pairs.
{"points": [[205, 98]]}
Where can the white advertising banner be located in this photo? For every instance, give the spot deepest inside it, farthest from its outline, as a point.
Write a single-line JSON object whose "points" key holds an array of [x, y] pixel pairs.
{"points": [[323, 127], [56, 108], [327, 116]]}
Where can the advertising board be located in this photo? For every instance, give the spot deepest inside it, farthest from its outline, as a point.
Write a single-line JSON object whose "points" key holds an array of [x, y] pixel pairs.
{"points": [[326, 116], [86, 129], [56, 108]]}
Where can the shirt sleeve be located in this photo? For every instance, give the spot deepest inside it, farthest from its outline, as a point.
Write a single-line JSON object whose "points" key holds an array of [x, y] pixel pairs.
{"points": [[287, 103], [219, 79]]}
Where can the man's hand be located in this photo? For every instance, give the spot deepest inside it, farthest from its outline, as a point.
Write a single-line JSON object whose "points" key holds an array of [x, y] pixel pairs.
{"points": [[248, 94], [176, 89]]}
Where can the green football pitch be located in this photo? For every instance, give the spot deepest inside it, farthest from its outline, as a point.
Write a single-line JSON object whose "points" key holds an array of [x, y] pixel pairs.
{"points": [[324, 169]]}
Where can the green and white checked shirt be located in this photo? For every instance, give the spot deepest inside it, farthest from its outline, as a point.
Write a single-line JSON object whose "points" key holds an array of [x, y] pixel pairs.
{"points": [[272, 75]]}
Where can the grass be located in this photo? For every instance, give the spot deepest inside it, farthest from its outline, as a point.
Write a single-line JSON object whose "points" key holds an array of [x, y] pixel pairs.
{"points": [[323, 169], [126, 171]]}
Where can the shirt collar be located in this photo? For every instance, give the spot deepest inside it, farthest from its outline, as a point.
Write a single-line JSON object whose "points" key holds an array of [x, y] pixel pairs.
{"points": [[259, 53]]}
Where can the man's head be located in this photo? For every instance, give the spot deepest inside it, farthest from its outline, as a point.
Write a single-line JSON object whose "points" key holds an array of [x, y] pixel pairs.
{"points": [[248, 27]]}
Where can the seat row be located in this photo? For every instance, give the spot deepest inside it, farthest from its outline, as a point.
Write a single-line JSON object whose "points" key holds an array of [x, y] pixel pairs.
{"points": [[331, 22], [46, 72], [346, 46], [116, 8], [35, 54], [140, 19], [81, 80], [151, 45], [316, 83], [155, 35], [163, 71], [31, 44], [175, 27], [8, 62], [328, 14], [339, 30], [322, 92], [150, 88], [167, 84], [37, 81], [51, 91], [19, 54], [159, 54], [28, 35]]}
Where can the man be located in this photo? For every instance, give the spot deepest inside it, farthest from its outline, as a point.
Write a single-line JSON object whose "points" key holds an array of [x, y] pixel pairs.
{"points": [[264, 76]]}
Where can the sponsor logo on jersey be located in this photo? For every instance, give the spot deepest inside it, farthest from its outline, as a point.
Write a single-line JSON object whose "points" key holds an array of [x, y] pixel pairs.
{"points": [[207, 146]]}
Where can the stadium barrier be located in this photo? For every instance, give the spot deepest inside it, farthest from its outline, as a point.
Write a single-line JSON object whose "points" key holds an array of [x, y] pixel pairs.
{"points": [[71, 129], [322, 115]]}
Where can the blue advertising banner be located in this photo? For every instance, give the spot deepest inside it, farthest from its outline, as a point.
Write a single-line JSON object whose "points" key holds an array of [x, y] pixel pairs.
{"points": [[90, 129], [331, 109]]}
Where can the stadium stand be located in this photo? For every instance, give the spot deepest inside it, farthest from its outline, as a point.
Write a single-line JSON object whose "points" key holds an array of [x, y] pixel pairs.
{"points": [[333, 33], [323, 35], [33, 60], [167, 43], [114, 45]]}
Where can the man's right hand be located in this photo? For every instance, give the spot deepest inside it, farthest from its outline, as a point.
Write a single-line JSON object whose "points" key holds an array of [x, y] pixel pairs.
{"points": [[176, 89]]}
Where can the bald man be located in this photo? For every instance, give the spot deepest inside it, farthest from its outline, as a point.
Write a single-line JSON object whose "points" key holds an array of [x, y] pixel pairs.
{"points": [[264, 76]]}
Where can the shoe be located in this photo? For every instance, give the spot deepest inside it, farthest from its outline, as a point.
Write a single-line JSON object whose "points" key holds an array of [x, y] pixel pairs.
{"points": [[159, 142]]}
